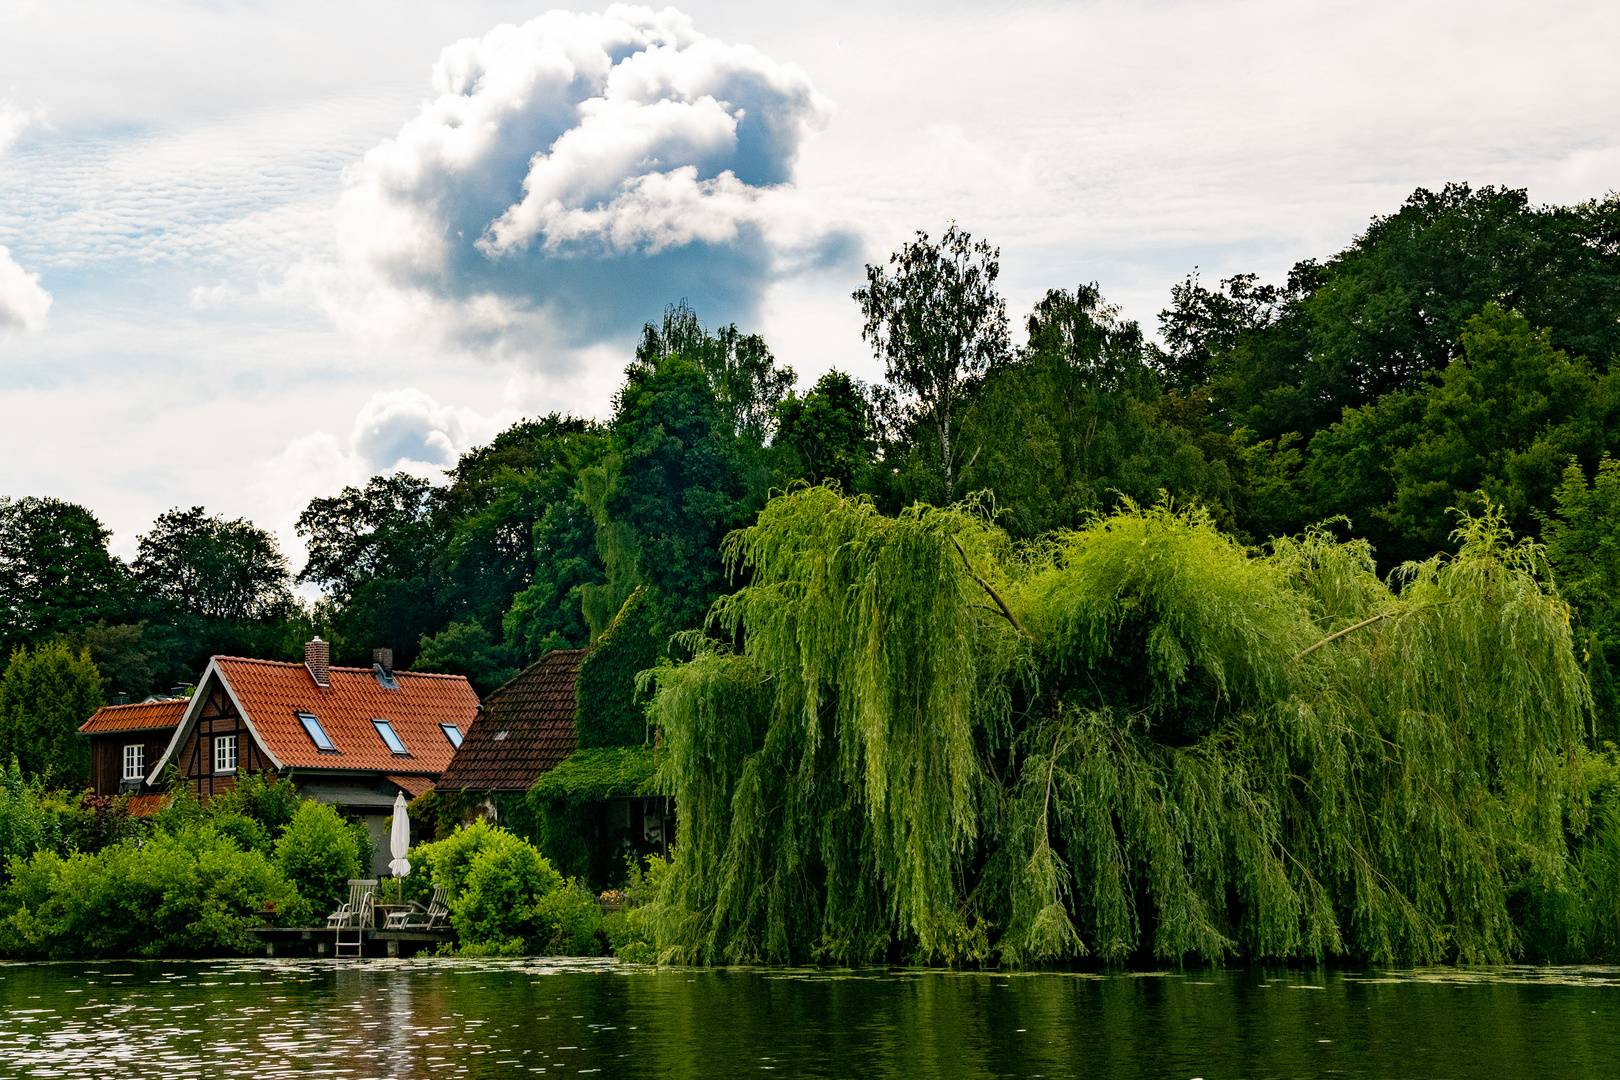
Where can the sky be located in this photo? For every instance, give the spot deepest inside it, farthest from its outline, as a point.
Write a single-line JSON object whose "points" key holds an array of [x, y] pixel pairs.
{"points": [[253, 252]]}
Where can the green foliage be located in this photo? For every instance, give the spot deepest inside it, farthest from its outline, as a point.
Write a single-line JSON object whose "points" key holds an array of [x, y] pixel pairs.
{"points": [[829, 431], [447, 862], [610, 711], [22, 819], [271, 801], [743, 377], [248, 834], [45, 694], [937, 323], [192, 893], [469, 650], [566, 922], [208, 566], [575, 827], [1583, 546], [440, 813], [56, 575], [630, 932], [681, 485], [319, 853], [592, 775], [1135, 738], [504, 880], [1071, 426]]}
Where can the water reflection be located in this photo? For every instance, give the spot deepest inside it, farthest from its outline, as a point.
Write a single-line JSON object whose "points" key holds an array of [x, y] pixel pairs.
{"points": [[437, 1018]]}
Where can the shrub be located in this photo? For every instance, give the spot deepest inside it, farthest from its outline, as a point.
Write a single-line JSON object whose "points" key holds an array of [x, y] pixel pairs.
{"points": [[566, 922], [504, 881], [319, 854], [175, 894], [630, 933], [447, 862], [22, 821], [269, 800], [249, 835]]}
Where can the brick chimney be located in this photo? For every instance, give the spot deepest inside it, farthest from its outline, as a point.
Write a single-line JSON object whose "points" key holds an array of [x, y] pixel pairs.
{"points": [[383, 658], [318, 659]]}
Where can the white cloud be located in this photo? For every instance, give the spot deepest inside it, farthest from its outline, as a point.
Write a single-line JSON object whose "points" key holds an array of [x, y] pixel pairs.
{"points": [[23, 304], [13, 119], [570, 177]]}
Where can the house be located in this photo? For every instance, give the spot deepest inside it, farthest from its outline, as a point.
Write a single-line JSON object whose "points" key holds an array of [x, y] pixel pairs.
{"points": [[581, 801], [125, 738], [353, 737]]}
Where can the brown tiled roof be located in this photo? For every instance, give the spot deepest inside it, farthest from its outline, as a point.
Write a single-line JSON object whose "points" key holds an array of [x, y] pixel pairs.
{"points": [[272, 694], [144, 716], [413, 785], [536, 711], [146, 805]]}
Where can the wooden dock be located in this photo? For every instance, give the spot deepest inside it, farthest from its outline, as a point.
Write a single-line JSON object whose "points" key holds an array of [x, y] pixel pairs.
{"points": [[323, 941]]}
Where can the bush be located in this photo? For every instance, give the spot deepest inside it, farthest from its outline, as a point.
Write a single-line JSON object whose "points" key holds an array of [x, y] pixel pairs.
{"points": [[270, 801], [22, 821], [319, 854], [630, 933], [566, 922], [249, 835], [175, 894], [504, 881], [447, 862]]}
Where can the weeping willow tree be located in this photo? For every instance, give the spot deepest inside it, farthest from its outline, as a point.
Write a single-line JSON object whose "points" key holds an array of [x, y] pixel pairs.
{"points": [[1140, 737]]}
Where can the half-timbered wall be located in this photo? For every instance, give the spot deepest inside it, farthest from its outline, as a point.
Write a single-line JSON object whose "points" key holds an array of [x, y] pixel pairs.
{"points": [[196, 757]]}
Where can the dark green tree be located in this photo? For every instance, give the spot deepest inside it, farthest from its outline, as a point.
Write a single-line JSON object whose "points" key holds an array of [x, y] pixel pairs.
{"points": [[743, 375], [213, 567], [372, 550], [680, 487], [493, 509], [829, 431], [1582, 534], [1070, 425], [56, 575]]}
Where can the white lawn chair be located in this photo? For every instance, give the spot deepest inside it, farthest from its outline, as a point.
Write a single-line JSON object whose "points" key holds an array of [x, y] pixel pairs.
{"points": [[417, 917], [355, 913]]}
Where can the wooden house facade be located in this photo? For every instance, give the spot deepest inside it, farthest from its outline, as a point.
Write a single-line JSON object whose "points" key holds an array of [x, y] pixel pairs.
{"points": [[124, 739]]}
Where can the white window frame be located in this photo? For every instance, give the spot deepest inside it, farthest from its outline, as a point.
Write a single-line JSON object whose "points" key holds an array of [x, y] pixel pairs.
{"points": [[134, 763], [224, 755]]}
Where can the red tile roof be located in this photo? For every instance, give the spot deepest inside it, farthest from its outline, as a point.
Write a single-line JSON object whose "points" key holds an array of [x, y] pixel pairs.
{"points": [[144, 716], [413, 785], [272, 694], [146, 805], [536, 711]]}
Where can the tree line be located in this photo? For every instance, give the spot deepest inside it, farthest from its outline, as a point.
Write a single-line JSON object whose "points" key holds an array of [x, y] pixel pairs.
{"points": [[1457, 351]]}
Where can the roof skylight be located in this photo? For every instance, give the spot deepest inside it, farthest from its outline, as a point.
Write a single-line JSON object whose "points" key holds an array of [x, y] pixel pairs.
{"points": [[386, 731], [317, 734], [452, 733]]}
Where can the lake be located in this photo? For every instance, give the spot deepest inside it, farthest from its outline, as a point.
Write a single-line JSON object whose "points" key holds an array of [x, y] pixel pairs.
{"points": [[447, 1018]]}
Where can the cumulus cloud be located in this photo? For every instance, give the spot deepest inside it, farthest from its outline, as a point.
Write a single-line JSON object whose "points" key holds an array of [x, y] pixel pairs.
{"points": [[13, 119], [23, 304], [574, 174]]}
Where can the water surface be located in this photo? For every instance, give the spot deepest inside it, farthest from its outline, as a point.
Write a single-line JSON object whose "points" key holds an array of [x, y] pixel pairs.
{"points": [[461, 1019]]}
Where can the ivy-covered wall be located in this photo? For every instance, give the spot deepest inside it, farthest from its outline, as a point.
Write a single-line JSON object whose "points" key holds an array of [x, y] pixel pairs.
{"points": [[610, 713]]}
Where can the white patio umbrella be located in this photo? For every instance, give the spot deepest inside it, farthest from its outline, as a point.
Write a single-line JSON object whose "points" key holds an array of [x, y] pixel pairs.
{"points": [[399, 841]]}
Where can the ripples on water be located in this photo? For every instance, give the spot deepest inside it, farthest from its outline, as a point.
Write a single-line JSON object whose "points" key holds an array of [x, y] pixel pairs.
{"points": [[458, 1019]]}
